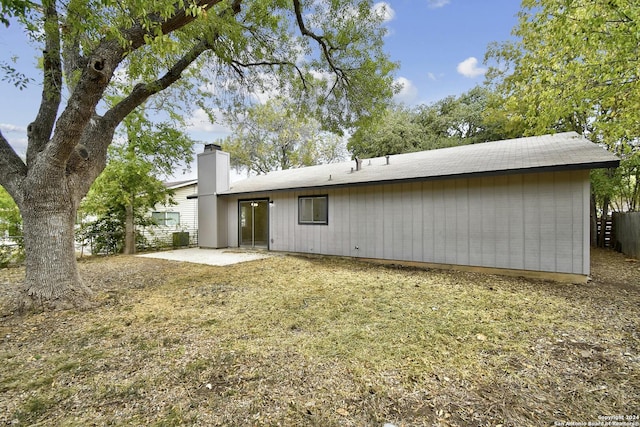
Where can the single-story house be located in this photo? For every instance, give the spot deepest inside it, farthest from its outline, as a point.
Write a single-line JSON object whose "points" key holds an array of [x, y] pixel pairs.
{"points": [[518, 206]]}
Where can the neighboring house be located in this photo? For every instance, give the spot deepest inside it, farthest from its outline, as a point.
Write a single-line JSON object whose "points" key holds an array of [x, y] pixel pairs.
{"points": [[181, 217], [517, 206]]}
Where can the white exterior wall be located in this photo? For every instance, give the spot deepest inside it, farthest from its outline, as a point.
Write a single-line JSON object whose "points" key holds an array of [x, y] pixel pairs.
{"points": [[188, 208], [537, 221]]}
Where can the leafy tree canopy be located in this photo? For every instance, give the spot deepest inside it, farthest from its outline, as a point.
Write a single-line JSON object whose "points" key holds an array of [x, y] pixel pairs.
{"points": [[574, 67], [274, 136], [447, 122], [12, 8]]}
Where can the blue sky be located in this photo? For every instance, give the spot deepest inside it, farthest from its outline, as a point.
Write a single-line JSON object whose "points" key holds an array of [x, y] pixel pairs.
{"points": [[440, 45]]}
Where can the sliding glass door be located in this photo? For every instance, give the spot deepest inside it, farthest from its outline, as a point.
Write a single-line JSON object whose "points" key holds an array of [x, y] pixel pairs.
{"points": [[254, 223]]}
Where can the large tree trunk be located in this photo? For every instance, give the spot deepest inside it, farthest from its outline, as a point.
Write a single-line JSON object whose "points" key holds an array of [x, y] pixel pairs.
{"points": [[52, 280]]}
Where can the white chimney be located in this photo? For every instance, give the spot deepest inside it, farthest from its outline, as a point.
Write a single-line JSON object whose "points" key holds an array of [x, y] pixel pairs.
{"points": [[213, 177]]}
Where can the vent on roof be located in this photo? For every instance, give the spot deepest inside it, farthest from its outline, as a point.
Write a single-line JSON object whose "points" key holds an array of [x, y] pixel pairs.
{"points": [[358, 164], [387, 157]]}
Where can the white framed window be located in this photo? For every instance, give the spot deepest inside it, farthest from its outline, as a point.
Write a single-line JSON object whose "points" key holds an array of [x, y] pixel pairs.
{"points": [[313, 210], [168, 219]]}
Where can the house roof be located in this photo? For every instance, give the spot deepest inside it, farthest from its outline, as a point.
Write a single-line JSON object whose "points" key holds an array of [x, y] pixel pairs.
{"points": [[561, 151], [179, 184]]}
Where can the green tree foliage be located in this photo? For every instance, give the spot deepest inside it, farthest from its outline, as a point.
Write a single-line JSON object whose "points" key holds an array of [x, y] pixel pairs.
{"points": [[395, 131], [105, 234], [448, 122], [626, 193], [131, 184], [11, 243], [574, 67], [274, 136], [10, 219], [13, 8], [11, 75]]}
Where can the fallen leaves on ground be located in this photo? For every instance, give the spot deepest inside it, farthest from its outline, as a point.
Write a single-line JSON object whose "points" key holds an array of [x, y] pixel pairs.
{"points": [[323, 341]]}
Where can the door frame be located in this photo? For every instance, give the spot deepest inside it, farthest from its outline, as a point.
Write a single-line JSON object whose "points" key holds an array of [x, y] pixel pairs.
{"points": [[253, 199]]}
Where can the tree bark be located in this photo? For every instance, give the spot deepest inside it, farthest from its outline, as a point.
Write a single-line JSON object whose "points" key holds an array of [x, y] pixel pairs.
{"points": [[52, 280], [129, 231]]}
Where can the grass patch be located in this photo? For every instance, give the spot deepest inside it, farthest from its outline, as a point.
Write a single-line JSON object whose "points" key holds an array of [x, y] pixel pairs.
{"points": [[324, 342], [32, 410]]}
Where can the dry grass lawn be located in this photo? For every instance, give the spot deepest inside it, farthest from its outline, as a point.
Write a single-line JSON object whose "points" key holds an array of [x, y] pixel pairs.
{"points": [[296, 341]]}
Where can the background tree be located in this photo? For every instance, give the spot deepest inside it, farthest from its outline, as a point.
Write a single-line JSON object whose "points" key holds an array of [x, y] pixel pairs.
{"points": [[272, 136], [574, 67], [574, 63], [454, 120], [626, 197], [132, 182], [10, 229], [10, 220], [395, 131], [327, 55]]}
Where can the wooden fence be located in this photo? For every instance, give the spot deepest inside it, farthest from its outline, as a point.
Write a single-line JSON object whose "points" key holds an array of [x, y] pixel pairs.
{"points": [[626, 233]]}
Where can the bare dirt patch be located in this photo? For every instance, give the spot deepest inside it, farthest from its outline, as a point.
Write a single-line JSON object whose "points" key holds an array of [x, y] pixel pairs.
{"points": [[324, 342]]}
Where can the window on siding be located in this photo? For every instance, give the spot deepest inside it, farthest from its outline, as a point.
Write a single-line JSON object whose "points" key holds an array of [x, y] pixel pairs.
{"points": [[166, 218], [313, 210]]}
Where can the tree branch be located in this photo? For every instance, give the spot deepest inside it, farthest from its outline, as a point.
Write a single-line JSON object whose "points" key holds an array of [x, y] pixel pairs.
{"points": [[98, 136], [178, 20], [83, 171], [73, 61], [142, 91], [321, 40], [39, 132], [12, 170], [82, 103], [237, 65]]}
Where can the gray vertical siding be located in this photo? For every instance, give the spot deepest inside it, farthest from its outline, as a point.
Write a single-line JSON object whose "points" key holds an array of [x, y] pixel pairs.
{"points": [[534, 222]]}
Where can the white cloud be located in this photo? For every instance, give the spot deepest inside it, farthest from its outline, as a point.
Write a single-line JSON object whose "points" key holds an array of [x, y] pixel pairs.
{"points": [[408, 91], [469, 68], [199, 122], [435, 4], [6, 127], [431, 76], [384, 10], [17, 139]]}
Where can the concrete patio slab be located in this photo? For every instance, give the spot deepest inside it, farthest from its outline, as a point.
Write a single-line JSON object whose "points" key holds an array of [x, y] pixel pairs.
{"points": [[208, 256]]}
